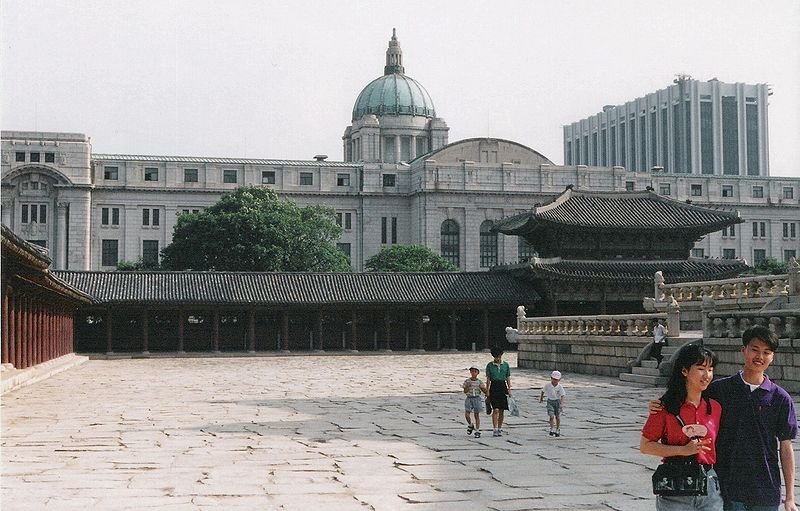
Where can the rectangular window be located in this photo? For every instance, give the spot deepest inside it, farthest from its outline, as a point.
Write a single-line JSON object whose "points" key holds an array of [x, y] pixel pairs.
{"points": [[524, 250], [706, 138], [345, 248], [629, 186], [729, 253], [104, 216], [665, 189], [25, 214], [758, 192], [729, 232], [394, 230], [42, 213], [49, 157], [788, 192], [20, 156], [698, 253], [759, 229], [759, 254], [697, 190], [35, 157], [151, 217], [150, 252], [348, 221], [34, 213], [110, 252], [267, 177], [727, 190], [114, 216], [730, 136], [788, 255], [145, 216], [389, 180], [339, 219], [190, 175], [150, 174], [156, 217], [751, 134], [229, 176], [342, 179], [789, 230], [384, 229], [306, 178], [111, 173]]}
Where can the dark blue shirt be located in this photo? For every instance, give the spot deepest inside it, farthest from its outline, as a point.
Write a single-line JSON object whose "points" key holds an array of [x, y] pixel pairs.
{"points": [[752, 425]]}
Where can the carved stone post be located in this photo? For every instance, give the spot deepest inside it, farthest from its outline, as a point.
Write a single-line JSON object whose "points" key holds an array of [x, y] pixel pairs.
{"points": [[794, 277], [707, 307], [674, 319]]}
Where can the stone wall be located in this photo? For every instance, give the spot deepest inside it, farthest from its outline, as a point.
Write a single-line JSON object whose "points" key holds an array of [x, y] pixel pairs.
{"points": [[602, 355]]}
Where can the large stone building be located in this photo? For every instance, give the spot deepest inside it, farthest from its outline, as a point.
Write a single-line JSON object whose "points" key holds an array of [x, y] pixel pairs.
{"points": [[690, 127], [400, 182]]}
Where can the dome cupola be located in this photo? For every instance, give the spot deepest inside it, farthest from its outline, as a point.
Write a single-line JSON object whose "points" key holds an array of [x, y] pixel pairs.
{"points": [[394, 93]]}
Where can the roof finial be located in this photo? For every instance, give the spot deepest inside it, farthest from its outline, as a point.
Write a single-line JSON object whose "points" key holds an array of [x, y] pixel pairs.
{"points": [[394, 56]]}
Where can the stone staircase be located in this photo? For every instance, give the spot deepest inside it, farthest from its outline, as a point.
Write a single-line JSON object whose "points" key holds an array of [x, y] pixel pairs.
{"points": [[647, 373]]}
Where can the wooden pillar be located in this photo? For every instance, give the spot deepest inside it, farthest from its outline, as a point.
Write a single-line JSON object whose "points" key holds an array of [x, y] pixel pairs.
{"points": [[12, 347], [181, 331], [318, 331], [215, 335], [35, 337], [353, 330], [485, 325], [251, 331], [145, 332], [18, 302], [5, 333], [387, 328], [420, 331], [27, 335], [109, 343], [453, 331], [285, 330]]}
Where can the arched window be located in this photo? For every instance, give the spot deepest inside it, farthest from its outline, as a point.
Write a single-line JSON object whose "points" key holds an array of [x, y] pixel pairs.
{"points": [[450, 242], [525, 250], [488, 245]]}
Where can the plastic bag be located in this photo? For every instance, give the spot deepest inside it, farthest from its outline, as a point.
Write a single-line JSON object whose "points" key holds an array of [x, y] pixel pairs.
{"points": [[513, 409]]}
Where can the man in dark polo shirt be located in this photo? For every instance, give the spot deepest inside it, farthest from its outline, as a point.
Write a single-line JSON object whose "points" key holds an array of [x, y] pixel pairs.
{"points": [[758, 424], [757, 427]]}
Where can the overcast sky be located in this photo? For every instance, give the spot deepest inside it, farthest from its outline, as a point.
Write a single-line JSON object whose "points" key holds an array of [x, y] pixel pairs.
{"points": [[269, 79]]}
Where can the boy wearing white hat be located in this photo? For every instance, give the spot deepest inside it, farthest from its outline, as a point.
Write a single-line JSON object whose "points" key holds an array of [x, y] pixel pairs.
{"points": [[555, 394], [473, 388]]}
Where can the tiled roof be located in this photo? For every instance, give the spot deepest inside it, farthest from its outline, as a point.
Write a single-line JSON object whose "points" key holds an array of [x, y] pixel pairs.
{"points": [[619, 210], [688, 270], [301, 288], [221, 161]]}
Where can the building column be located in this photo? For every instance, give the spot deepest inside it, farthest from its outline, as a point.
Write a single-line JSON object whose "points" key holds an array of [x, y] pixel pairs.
{"points": [[453, 331], [251, 331], [181, 330], [109, 343], [387, 331], [8, 326], [145, 332], [420, 331], [215, 335], [19, 349], [285, 331], [397, 148], [485, 325], [353, 331], [61, 235], [318, 330], [413, 147]]}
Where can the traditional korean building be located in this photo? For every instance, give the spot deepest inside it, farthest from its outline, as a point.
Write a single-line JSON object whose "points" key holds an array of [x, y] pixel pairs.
{"points": [[183, 312], [598, 251]]}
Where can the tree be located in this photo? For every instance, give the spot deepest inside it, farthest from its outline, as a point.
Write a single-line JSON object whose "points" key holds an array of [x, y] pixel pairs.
{"points": [[138, 265], [769, 266], [408, 258], [251, 229]]}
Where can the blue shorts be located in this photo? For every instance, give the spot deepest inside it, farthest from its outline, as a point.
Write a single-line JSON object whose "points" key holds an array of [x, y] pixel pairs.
{"points": [[473, 404]]}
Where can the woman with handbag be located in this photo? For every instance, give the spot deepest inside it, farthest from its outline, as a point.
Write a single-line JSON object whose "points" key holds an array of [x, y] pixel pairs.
{"points": [[683, 434]]}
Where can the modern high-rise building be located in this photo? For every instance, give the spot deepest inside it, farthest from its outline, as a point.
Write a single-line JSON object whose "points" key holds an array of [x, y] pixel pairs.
{"points": [[690, 127]]}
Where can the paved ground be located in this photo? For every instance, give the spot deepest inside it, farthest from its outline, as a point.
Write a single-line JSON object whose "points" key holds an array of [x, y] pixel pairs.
{"points": [[319, 432]]}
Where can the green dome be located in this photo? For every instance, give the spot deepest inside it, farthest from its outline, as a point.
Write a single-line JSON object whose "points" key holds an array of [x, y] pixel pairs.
{"points": [[394, 93]]}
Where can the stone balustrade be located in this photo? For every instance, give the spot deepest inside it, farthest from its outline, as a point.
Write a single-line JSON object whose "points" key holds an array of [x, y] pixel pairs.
{"points": [[760, 286], [638, 325]]}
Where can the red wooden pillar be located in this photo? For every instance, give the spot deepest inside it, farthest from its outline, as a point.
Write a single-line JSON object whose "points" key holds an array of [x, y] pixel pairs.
{"points": [[353, 330], [27, 335], [285, 330], [18, 331], [12, 327], [34, 333], [4, 357], [215, 340], [181, 322], [109, 343], [453, 331], [251, 331]]}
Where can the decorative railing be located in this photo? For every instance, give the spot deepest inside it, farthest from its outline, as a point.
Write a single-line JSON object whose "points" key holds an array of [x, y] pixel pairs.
{"points": [[731, 324], [757, 286], [618, 324]]}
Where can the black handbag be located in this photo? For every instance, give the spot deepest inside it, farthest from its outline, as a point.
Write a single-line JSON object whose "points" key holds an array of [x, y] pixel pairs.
{"points": [[680, 475]]}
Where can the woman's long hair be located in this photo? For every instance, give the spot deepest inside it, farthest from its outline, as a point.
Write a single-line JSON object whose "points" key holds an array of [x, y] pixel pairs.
{"points": [[688, 356]]}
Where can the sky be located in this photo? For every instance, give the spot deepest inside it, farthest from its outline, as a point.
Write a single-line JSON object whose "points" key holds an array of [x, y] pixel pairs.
{"points": [[278, 80]]}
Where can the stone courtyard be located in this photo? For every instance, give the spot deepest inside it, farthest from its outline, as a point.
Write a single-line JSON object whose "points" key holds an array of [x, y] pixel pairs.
{"points": [[307, 432]]}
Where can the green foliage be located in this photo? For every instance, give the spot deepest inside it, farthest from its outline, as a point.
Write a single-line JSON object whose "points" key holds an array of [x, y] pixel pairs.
{"points": [[408, 258], [769, 266], [138, 265], [251, 229]]}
